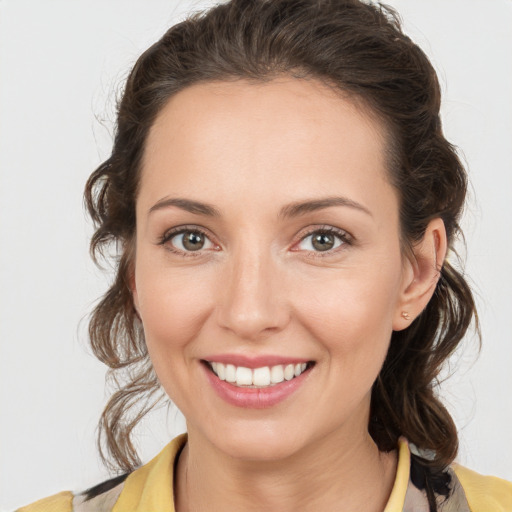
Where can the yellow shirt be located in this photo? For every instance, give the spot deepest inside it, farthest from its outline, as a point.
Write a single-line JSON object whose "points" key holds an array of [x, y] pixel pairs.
{"points": [[148, 489]]}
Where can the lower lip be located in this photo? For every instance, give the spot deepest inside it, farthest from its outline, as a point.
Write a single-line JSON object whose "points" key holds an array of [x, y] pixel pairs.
{"points": [[255, 398]]}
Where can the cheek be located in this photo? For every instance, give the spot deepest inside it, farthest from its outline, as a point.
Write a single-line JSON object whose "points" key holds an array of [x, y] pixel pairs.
{"points": [[172, 306], [173, 309], [352, 312]]}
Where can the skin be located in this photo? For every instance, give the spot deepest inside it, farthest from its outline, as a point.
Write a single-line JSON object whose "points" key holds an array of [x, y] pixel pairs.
{"points": [[259, 286]]}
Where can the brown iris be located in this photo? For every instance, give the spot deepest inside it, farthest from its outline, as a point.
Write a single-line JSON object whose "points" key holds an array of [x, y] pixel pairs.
{"points": [[323, 241], [193, 240]]}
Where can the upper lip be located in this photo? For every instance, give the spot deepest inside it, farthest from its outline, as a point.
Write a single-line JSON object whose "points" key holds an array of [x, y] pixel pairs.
{"points": [[255, 361]]}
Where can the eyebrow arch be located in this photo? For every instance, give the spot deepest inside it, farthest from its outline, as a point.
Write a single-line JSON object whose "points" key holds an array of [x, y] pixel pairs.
{"points": [[289, 211], [187, 205], [302, 207]]}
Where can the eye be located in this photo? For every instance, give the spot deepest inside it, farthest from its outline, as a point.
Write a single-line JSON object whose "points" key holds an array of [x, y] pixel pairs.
{"points": [[186, 240], [323, 240]]}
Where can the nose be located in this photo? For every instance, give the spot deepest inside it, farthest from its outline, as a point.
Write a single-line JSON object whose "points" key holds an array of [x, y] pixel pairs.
{"points": [[253, 299]]}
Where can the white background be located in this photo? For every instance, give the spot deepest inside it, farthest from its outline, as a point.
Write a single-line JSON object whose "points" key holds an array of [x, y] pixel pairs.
{"points": [[61, 63]]}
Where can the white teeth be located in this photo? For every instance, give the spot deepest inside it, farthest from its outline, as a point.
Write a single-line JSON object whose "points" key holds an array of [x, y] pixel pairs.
{"points": [[261, 376], [243, 376], [289, 372], [221, 371], [258, 377], [230, 373], [276, 374]]}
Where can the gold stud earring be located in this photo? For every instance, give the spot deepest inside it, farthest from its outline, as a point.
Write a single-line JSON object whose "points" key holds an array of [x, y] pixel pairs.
{"points": [[405, 315]]}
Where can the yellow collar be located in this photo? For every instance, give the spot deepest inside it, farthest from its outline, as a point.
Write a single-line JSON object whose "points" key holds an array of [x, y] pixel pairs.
{"points": [[151, 486], [397, 498]]}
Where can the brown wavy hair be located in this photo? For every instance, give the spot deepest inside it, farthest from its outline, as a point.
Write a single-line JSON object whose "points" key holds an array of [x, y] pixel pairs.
{"points": [[354, 47]]}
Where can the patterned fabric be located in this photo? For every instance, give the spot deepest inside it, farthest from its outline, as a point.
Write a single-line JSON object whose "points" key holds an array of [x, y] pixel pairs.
{"points": [[416, 500], [102, 503]]}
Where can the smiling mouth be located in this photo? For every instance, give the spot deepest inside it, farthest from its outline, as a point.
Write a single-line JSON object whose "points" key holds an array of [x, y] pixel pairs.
{"points": [[263, 377]]}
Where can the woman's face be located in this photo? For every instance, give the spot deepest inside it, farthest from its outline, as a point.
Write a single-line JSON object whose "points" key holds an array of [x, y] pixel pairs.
{"points": [[267, 244]]}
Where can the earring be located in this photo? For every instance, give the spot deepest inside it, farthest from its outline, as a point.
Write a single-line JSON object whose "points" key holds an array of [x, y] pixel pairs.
{"points": [[405, 315]]}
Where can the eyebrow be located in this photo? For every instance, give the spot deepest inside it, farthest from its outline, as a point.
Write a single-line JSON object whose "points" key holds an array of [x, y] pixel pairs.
{"points": [[187, 205], [291, 210], [302, 207]]}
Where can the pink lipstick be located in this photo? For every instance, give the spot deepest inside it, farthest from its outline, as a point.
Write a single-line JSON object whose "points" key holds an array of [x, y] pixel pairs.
{"points": [[255, 382]]}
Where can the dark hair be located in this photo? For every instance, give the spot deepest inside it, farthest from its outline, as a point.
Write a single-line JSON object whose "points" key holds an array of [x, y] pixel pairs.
{"points": [[354, 47]]}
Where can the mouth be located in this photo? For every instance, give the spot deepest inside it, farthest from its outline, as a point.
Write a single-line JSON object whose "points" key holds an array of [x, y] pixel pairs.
{"points": [[257, 378]]}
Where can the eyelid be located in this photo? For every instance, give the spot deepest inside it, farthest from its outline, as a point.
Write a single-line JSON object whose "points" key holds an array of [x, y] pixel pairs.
{"points": [[171, 233], [343, 235]]}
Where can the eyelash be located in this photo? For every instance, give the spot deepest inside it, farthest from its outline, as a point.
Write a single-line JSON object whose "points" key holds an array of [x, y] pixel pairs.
{"points": [[169, 235], [345, 238]]}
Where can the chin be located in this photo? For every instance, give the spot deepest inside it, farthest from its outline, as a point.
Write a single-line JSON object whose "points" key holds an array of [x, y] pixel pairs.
{"points": [[258, 442], [264, 451]]}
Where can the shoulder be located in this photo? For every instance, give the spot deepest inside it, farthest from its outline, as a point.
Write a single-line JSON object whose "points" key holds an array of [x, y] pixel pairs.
{"points": [[484, 493], [62, 502], [100, 498], [145, 489]]}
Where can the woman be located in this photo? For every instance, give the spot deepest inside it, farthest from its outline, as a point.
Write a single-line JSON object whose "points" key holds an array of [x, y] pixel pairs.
{"points": [[284, 200]]}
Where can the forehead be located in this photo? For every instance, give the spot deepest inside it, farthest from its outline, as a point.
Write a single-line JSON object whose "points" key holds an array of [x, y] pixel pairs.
{"points": [[285, 138]]}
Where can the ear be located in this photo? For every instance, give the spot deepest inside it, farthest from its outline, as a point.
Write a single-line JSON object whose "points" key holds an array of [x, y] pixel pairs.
{"points": [[421, 272]]}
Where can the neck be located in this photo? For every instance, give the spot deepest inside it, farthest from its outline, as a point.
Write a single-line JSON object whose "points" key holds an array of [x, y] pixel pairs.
{"points": [[336, 474]]}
